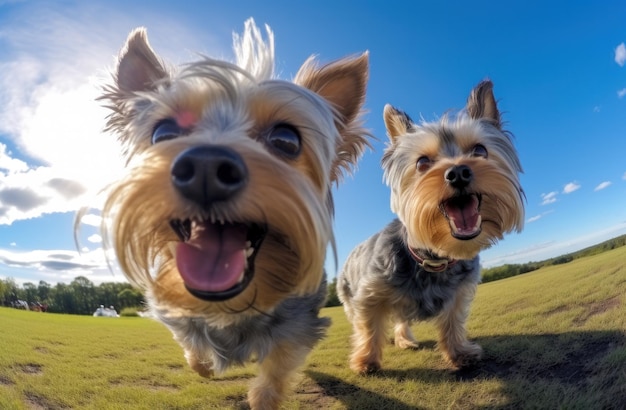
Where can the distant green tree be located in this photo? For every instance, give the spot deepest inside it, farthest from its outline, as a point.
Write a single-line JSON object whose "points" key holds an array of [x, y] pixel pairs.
{"points": [[9, 291], [129, 298], [84, 295], [30, 292], [43, 291], [332, 299], [62, 299]]}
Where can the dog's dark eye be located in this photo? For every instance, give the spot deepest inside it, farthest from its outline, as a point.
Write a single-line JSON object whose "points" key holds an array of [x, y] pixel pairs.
{"points": [[166, 130], [479, 150], [285, 139], [423, 163]]}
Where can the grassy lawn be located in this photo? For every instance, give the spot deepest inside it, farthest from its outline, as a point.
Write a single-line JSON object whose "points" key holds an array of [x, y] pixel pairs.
{"points": [[553, 338]]}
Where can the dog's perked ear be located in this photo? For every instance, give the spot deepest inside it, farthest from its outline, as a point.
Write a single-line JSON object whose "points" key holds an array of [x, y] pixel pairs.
{"points": [[482, 104], [397, 122], [343, 84], [138, 67]]}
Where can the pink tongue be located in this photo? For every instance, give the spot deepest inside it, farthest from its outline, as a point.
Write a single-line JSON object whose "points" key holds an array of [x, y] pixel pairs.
{"points": [[463, 214], [214, 258]]}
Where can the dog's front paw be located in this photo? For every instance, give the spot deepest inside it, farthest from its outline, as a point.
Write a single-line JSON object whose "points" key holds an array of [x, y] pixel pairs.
{"points": [[365, 367], [204, 369], [406, 343], [465, 355]]}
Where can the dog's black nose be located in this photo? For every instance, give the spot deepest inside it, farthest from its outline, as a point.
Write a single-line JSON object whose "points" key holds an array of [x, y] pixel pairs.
{"points": [[459, 176], [209, 173]]}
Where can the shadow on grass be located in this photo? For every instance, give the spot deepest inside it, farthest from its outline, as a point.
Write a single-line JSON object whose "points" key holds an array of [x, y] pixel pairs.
{"points": [[573, 369], [353, 396]]}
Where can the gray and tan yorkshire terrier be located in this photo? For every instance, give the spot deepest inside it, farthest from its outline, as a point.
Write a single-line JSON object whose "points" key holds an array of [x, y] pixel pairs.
{"points": [[225, 213], [455, 190]]}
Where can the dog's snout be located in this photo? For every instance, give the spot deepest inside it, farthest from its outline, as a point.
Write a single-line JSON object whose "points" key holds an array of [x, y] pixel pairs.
{"points": [[459, 176], [208, 174]]}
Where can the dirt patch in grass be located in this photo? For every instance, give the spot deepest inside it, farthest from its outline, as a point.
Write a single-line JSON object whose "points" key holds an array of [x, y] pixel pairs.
{"points": [[517, 305], [596, 308], [37, 402], [5, 381], [237, 402], [558, 309], [30, 368], [318, 394]]}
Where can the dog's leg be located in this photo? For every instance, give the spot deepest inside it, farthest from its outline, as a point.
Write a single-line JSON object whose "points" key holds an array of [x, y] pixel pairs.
{"points": [[403, 336], [452, 334], [204, 367], [368, 338], [275, 374]]}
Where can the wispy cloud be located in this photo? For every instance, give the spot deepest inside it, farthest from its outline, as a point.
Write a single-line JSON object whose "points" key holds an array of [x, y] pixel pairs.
{"points": [[549, 198], [621, 93], [538, 217], [55, 260], [596, 108], [95, 238], [620, 54], [602, 185], [571, 187]]}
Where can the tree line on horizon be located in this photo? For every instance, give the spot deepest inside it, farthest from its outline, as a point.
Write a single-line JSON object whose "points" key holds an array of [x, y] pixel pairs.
{"points": [[508, 270], [79, 297]]}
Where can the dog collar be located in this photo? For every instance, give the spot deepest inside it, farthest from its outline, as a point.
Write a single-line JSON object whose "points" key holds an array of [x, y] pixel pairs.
{"points": [[431, 265]]}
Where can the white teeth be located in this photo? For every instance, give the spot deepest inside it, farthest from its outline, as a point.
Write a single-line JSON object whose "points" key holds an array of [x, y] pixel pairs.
{"points": [[241, 277], [249, 252]]}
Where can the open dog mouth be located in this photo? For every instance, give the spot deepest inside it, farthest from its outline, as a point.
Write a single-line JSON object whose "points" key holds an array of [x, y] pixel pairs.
{"points": [[463, 214], [216, 260]]}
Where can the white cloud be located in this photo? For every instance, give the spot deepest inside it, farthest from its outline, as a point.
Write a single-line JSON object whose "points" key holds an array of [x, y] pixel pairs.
{"points": [[548, 198], [621, 93], [538, 217], [52, 66], [91, 220], [570, 187], [95, 238], [10, 164], [596, 108], [624, 176], [620, 54], [602, 185], [13, 244], [59, 265]]}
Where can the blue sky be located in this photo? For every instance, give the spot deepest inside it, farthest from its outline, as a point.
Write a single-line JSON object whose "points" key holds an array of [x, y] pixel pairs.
{"points": [[559, 73]]}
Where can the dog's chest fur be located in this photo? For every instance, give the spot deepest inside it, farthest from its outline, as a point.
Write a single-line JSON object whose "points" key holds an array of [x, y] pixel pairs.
{"points": [[414, 293], [424, 294], [295, 321]]}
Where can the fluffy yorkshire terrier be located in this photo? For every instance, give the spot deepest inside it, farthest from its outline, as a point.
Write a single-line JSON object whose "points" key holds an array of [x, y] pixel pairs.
{"points": [[225, 213], [455, 189]]}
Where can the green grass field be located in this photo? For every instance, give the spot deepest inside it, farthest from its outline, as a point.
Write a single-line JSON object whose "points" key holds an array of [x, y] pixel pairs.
{"points": [[553, 338]]}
